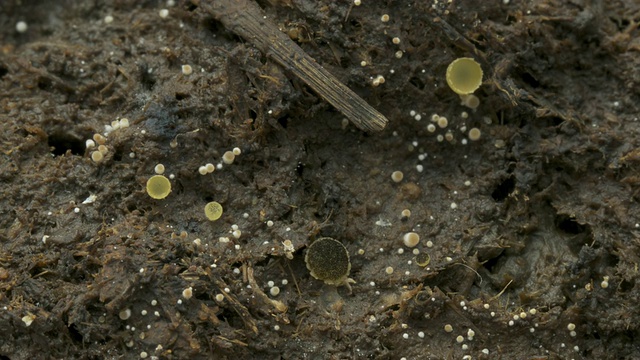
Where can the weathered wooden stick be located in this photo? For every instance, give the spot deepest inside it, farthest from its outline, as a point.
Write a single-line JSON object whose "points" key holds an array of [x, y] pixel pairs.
{"points": [[246, 19]]}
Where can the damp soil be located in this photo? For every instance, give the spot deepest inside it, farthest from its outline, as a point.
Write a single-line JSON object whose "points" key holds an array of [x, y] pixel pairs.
{"points": [[525, 234]]}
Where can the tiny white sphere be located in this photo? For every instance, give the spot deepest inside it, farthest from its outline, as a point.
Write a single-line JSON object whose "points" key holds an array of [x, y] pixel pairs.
{"points": [[411, 239], [202, 170], [21, 27], [108, 19], [357, 2], [164, 13], [89, 144], [236, 151]]}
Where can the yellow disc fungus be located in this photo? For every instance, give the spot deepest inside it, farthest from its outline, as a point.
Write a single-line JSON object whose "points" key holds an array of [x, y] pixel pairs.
{"points": [[213, 211], [158, 187], [328, 260], [464, 76], [422, 259]]}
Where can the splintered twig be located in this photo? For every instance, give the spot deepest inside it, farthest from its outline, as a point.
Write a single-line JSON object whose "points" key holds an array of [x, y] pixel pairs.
{"points": [[246, 19]]}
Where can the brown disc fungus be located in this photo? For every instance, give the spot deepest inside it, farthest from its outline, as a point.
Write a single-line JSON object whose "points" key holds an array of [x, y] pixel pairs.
{"points": [[158, 187], [328, 260], [464, 76]]}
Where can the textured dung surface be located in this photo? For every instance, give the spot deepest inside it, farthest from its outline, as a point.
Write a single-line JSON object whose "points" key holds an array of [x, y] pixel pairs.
{"points": [[535, 215]]}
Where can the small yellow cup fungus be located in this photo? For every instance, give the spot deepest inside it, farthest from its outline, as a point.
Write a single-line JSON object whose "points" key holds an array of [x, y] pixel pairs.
{"points": [[464, 76], [158, 187], [422, 259], [213, 211], [328, 260]]}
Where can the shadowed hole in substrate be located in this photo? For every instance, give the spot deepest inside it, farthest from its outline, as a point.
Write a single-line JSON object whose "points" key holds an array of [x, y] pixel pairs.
{"points": [[626, 286], [231, 317], [417, 82], [283, 121], [147, 77], [491, 264], [3, 71], [75, 334], [181, 96], [219, 30], [502, 191], [529, 79], [61, 143], [569, 225]]}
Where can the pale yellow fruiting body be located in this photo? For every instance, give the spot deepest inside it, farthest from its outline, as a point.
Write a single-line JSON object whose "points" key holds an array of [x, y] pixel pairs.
{"points": [[228, 157], [411, 239], [464, 76], [474, 134], [397, 176], [158, 187], [97, 156], [213, 211]]}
